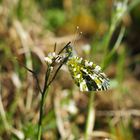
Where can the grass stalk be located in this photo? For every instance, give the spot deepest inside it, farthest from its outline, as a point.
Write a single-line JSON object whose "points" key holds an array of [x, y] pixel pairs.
{"points": [[2, 111], [25, 38], [90, 117], [108, 58], [3, 115], [114, 22]]}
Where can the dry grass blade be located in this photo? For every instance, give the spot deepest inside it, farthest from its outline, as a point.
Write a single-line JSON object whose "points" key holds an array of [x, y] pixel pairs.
{"points": [[26, 41], [102, 134], [59, 119], [119, 113]]}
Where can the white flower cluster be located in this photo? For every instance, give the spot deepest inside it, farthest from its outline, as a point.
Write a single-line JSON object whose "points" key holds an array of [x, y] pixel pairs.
{"points": [[54, 58]]}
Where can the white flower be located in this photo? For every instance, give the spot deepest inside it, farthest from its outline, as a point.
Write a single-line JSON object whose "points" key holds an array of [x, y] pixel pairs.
{"points": [[48, 60]]}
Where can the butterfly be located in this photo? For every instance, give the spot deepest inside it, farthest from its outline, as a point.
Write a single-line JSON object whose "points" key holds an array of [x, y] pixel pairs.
{"points": [[87, 75]]}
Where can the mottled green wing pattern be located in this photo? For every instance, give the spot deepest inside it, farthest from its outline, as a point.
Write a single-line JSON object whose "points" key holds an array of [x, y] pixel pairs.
{"points": [[87, 75]]}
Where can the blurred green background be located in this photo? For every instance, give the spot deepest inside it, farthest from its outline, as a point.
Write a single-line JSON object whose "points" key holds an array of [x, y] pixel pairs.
{"points": [[110, 38]]}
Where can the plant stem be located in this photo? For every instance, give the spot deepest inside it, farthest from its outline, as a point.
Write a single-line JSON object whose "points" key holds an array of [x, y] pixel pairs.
{"points": [[41, 114], [40, 117], [45, 89], [43, 95], [90, 117], [107, 59]]}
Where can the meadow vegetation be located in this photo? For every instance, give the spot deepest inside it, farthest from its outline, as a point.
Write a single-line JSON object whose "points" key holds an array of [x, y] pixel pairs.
{"points": [[36, 104]]}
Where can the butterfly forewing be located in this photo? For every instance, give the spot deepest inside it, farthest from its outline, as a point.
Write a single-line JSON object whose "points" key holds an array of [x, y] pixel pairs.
{"points": [[87, 75]]}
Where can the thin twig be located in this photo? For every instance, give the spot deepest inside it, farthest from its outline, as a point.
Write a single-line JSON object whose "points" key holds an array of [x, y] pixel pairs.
{"points": [[64, 48], [35, 76], [54, 47], [65, 60]]}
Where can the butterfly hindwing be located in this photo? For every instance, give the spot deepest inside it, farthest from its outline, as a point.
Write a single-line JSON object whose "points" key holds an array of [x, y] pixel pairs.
{"points": [[87, 76]]}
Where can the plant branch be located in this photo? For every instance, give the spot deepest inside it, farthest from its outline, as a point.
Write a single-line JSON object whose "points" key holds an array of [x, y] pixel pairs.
{"points": [[64, 48], [65, 60], [46, 87], [35, 76]]}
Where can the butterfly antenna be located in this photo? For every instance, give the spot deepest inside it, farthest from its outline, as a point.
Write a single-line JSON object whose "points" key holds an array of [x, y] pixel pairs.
{"points": [[75, 36]]}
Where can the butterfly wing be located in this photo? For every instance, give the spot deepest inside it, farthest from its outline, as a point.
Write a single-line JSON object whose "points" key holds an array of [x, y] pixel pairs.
{"points": [[87, 76]]}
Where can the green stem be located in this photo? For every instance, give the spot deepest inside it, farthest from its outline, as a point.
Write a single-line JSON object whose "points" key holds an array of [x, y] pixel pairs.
{"points": [[43, 95], [40, 117], [45, 89], [41, 112], [90, 117], [107, 59]]}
